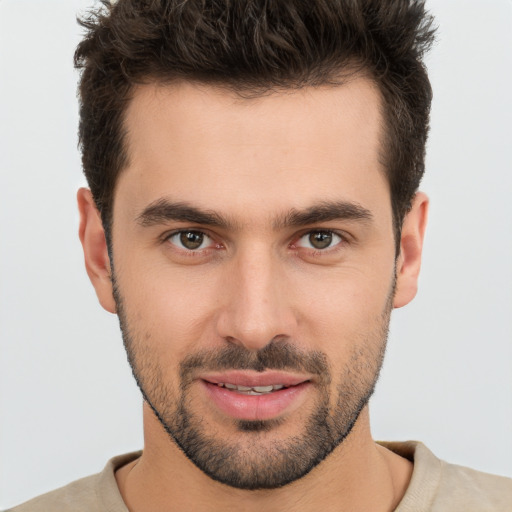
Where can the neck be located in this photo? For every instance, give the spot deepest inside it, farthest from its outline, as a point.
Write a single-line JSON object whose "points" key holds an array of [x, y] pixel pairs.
{"points": [[358, 475]]}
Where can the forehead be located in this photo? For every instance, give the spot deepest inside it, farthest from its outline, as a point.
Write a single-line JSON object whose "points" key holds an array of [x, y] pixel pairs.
{"points": [[206, 145]]}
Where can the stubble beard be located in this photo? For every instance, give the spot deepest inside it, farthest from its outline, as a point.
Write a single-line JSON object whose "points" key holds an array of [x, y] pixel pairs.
{"points": [[255, 462]]}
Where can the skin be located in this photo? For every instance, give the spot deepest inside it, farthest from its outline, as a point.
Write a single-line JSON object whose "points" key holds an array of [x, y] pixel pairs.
{"points": [[252, 161]]}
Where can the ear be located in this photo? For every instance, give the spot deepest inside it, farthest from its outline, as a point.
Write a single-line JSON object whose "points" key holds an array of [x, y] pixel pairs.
{"points": [[411, 246], [97, 262]]}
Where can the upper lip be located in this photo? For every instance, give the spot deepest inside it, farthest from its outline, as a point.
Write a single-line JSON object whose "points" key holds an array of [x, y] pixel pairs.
{"points": [[252, 378]]}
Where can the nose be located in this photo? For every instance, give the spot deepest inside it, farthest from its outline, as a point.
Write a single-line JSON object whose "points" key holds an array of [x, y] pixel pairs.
{"points": [[257, 302]]}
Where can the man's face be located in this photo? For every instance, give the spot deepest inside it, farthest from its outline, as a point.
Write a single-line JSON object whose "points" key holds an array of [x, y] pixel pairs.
{"points": [[254, 268]]}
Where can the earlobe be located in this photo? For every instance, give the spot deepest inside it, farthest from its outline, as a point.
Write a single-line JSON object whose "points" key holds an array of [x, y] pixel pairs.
{"points": [[411, 248], [97, 261]]}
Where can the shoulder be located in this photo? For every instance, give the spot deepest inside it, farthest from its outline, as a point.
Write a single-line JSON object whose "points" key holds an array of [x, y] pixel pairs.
{"points": [[473, 490], [437, 486], [95, 493], [78, 495]]}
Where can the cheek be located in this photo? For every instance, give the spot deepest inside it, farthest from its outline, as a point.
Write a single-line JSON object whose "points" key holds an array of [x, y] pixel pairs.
{"points": [[353, 296], [177, 308], [351, 311], [171, 310]]}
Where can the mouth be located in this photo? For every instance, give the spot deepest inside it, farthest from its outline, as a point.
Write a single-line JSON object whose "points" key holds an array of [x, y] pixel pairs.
{"points": [[250, 396], [252, 390]]}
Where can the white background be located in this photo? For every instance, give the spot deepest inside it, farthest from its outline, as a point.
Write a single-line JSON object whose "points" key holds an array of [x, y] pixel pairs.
{"points": [[67, 399]]}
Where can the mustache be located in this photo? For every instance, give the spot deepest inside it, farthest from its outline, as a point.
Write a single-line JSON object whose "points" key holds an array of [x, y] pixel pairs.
{"points": [[277, 355]]}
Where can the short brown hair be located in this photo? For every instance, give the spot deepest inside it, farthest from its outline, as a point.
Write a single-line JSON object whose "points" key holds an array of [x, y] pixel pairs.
{"points": [[253, 47]]}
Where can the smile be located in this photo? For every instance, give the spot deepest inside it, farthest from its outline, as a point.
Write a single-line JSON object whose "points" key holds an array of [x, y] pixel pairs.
{"points": [[251, 390], [251, 396]]}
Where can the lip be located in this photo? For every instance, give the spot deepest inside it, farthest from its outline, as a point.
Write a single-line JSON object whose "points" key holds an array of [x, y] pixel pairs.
{"points": [[255, 408], [252, 378]]}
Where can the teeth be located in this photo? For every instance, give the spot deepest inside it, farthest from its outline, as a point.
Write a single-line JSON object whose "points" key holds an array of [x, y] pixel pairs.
{"points": [[254, 390], [244, 388], [263, 389]]}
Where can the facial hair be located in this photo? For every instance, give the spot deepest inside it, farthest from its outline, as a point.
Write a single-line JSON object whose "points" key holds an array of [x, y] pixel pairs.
{"points": [[257, 462]]}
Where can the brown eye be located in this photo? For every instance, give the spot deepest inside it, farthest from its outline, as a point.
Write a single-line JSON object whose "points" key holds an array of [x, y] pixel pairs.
{"points": [[319, 240], [190, 240]]}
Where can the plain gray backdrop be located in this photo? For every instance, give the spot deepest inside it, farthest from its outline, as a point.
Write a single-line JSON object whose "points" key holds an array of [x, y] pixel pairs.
{"points": [[67, 399]]}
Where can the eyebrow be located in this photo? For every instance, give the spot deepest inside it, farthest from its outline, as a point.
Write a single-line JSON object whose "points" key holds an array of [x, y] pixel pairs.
{"points": [[324, 212], [164, 210]]}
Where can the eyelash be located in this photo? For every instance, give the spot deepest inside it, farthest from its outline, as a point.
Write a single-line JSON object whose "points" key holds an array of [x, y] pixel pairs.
{"points": [[317, 251], [343, 241], [190, 252]]}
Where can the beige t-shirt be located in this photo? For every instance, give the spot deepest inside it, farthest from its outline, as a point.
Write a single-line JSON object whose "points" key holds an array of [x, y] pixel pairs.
{"points": [[435, 486]]}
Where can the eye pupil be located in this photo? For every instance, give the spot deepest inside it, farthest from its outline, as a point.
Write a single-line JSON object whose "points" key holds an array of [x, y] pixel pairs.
{"points": [[191, 239], [320, 239]]}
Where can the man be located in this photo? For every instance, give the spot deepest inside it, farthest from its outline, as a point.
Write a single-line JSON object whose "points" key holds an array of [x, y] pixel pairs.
{"points": [[253, 217]]}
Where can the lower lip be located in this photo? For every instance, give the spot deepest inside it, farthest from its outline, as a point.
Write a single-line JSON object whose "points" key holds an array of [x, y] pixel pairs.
{"points": [[256, 407]]}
